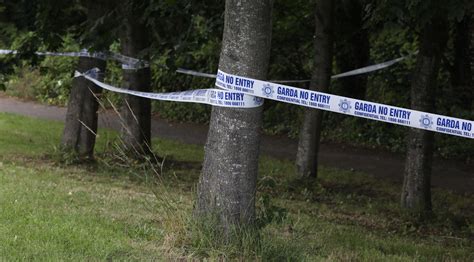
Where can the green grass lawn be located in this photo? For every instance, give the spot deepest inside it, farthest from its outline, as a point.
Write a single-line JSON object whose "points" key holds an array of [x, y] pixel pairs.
{"points": [[53, 211]]}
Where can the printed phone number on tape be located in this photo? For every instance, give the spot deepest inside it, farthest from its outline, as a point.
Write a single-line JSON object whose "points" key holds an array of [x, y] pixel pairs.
{"points": [[345, 105]]}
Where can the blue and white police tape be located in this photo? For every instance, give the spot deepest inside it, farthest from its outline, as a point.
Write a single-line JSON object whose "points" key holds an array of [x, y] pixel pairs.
{"points": [[346, 105], [359, 71], [215, 97], [371, 68], [243, 92], [129, 63]]}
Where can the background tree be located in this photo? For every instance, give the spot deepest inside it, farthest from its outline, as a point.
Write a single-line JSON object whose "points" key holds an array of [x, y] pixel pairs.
{"points": [[416, 191], [80, 127], [228, 180], [310, 133], [136, 111], [46, 22]]}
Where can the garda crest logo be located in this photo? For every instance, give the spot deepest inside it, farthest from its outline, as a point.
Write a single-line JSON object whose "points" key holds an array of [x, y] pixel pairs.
{"points": [[257, 100], [426, 121], [267, 90], [345, 106]]}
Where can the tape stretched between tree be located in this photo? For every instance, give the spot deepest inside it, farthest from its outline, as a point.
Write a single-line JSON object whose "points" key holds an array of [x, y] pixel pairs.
{"points": [[127, 62], [345, 105], [131, 63], [244, 92], [359, 71], [215, 97]]}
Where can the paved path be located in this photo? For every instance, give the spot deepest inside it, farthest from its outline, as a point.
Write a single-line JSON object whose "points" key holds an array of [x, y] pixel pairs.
{"points": [[452, 175]]}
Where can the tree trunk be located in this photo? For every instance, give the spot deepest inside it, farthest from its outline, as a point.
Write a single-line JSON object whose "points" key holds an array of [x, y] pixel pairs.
{"points": [[416, 191], [81, 118], [462, 74], [310, 132], [352, 47], [227, 184], [136, 111], [80, 127]]}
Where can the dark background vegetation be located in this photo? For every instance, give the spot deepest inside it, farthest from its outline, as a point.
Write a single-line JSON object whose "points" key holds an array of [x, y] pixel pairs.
{"points": [[187, 34]]}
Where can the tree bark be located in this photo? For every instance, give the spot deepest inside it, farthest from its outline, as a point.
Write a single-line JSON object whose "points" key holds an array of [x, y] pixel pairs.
{"points": [[416, 191], [227, 185], [80, 127], [310, 132], [136, 111]]}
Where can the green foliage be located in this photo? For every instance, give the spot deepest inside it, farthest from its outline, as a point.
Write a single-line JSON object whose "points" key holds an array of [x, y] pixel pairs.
{"points": [[2, 82], [246, 243], [292, 50], [393, 26], [56, 81], [20, 84], [267, 211], [282, 118], [416, 13], [50, 82], [389, 86], [113, 76], [196, 48]]}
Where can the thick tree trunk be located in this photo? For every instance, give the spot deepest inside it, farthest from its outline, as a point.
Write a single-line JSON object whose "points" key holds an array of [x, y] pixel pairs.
{"points": [[462, 74], [310, 132], [352, 47], [416, 191], [81, 118], [228, 181], [136, 111]]}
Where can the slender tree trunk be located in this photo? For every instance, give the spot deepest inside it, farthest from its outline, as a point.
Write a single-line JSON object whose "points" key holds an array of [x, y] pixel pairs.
{"points": [[227, 184], [462, 74], [352, 47], [81, 118], [136, 111], [310, 132], [416, 191]]}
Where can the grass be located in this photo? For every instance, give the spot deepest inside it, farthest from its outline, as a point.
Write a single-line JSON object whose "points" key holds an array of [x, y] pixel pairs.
{"points": [[51, 211]]}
